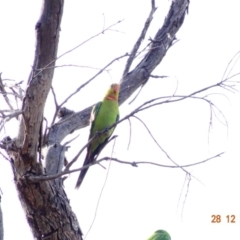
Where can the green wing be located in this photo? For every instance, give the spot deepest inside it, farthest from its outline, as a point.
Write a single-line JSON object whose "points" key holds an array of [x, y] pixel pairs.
{"points": [[95, 111], [106, 114], [101, 145]]}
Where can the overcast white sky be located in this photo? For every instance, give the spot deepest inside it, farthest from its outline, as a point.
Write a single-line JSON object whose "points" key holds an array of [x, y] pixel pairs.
{"points": [[137, 201]]}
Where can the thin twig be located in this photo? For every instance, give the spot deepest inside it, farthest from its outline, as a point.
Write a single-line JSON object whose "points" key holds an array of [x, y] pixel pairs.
{"points": [[170, 99], [71, 140], [130, 133], [6, 158], [141, 87], [237, 55], [154, 139], [54, 98], [79, 153], [185, 198], [157, 76], [79, 45], [99, 198], [75, 65], [8, 117], [180, 195], [3, 91]]}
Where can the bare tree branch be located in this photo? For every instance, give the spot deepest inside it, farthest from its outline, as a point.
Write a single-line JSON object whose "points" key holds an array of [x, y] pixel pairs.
{"points": [[55, 99], [162, 41], [156, 76], [5, 157], [46, 205], [39, 82], [133, 164], [188, 177], [188, 180], [130, 133], [78, 66], [8, 117], [139, 91], [140, 39], [50, 64], [4, 93], [165, 152], [81, 119], [235, 58]]}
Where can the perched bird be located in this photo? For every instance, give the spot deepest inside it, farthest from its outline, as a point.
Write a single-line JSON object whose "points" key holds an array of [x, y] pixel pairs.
{"points": [[160, 235], [105, 114]]}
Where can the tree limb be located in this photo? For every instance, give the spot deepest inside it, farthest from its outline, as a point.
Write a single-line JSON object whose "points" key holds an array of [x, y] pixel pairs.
{"points": [[47, 30], [140, 39], [46, 205], [133, 164], [4, 93]]}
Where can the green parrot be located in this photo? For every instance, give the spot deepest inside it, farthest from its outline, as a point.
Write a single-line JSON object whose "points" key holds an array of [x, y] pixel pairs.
{"points": [[160, 235], [105, 114]]}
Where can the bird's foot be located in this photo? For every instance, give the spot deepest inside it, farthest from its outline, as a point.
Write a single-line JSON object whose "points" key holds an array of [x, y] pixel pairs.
{"points": [[106, 131], [97, 134]]}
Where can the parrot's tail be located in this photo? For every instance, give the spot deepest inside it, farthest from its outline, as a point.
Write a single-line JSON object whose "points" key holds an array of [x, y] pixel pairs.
{"points": [[81, 177], [84, 171]]}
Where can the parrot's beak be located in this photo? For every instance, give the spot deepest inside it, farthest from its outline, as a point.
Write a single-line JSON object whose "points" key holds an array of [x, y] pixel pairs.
{"points": [[116, 88]]}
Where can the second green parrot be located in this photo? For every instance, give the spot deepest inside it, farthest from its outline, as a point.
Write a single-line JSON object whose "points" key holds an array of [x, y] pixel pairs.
{"points": [[160, 235], [105, 114]]}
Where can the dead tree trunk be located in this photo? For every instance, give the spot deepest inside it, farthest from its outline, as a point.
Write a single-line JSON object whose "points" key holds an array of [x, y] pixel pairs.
{"points": [[46, 205]]}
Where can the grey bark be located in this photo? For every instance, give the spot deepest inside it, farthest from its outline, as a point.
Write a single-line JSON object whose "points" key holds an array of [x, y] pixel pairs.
{"points": [[45, 203]]}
